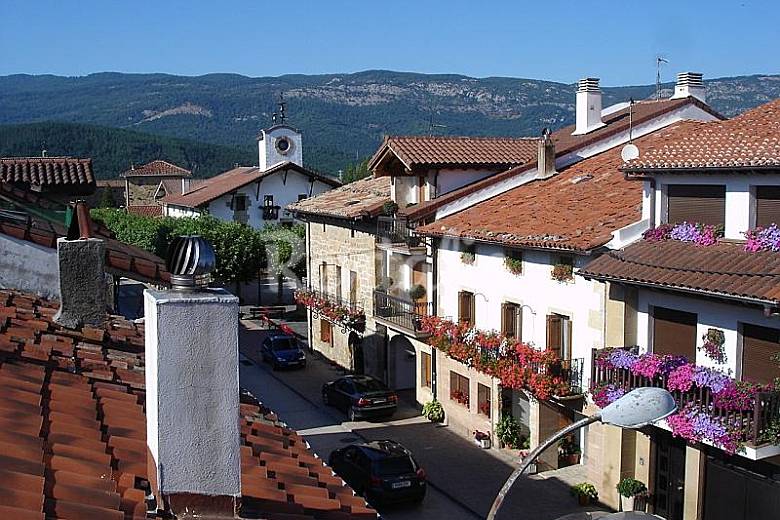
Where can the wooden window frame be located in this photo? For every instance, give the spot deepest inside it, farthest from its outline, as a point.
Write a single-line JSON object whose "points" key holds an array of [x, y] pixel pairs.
{"points": [[353, 287], [516, 310], [560, 326], [338, 282], [326, 332], [467, 315], [426, 370], [484, 401], [460, 383]]}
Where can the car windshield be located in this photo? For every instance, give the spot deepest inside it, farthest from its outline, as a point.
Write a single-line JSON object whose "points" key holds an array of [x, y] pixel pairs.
{"points": [[368, 385], [395, 466], [283, 344]]}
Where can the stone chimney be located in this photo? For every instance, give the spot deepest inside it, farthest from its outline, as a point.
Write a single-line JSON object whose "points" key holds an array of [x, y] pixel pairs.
{"points": [[588, 106], [82, 278], [192, 391], [545, 161], [690, 84]]}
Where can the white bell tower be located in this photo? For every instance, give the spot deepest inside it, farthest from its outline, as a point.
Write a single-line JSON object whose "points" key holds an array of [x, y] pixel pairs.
{"points": [[279, 143]]}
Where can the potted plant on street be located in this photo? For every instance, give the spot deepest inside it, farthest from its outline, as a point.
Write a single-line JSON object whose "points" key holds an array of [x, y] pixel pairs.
{"points": [[508, 431], [585, 493], [629, 489], [569, 451], [433, 411], [482, 439]]}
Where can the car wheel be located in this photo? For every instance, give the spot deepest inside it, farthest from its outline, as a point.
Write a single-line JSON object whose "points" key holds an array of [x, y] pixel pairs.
{"points": [[351, 414]]}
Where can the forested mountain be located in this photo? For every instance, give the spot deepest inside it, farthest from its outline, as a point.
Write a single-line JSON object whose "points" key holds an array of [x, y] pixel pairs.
{"points": [[113, 150], [342, 116]]}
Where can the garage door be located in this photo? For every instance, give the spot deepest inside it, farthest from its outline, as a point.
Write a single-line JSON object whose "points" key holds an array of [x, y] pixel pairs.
{"points": [[735, 494]]}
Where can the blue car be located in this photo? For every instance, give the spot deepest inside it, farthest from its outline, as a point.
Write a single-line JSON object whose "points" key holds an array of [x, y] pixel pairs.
{"points": [[282, 351]]}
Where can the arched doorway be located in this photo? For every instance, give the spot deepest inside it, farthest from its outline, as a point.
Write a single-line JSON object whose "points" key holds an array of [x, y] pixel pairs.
{"points": [[355, 343], [402, 358]]}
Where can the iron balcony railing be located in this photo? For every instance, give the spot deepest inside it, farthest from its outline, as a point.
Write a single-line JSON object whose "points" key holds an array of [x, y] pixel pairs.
{"points": [[750, 423], [328, 306], [570, 370], [270, 212], [395, 230], [401, 311]]}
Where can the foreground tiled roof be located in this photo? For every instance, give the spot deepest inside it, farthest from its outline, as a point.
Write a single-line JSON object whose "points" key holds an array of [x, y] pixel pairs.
{"points": [[73, 429], [723, 270], [566, 143], [750, 140], [158, 168], [363, 198], [52, 172], [146, 211], [234, 179], [121, 259], [578, 209], [416, 151]]}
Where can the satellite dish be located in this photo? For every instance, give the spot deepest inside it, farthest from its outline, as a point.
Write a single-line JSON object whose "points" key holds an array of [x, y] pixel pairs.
{"points": [[629, 152]]}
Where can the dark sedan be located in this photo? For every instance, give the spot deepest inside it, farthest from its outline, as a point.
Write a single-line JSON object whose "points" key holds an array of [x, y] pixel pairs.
{"points": [[282, 351], [383, 472], [360, 397]]}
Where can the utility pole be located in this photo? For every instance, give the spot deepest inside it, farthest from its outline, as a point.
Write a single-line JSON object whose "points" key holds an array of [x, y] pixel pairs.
{"points": [[658, 61]]}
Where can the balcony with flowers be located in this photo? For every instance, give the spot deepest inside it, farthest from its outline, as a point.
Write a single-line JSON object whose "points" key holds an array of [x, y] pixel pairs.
{"points": [[344, 314], [517, 365], [713, 408]]}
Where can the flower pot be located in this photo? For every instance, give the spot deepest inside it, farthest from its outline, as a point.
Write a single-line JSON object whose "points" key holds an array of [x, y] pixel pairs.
{"points": [[573, 459], [626, 503], [484, 443], [583, 499]]}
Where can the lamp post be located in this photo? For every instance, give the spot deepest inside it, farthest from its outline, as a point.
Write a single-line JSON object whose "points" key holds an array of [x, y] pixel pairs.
{"points": [[637, 408]]}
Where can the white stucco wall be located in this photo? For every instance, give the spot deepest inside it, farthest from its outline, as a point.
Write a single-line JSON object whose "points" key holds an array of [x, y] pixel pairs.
{"points": [[581, 300], [28, 267], [740, 197], [710, 314], [192, 392], [449, 180], [268, 155], [180, 211]]}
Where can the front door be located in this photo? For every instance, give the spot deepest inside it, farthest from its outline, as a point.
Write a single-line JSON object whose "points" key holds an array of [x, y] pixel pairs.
{"points": [[669, 477]]}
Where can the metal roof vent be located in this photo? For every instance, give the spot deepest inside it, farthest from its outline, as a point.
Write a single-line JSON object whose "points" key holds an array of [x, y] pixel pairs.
{"points": [[190, 262]]}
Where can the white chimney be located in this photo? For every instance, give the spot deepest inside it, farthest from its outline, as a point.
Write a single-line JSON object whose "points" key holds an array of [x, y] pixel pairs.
{"points": [[545, 160], [690, 84], [588, 106], [192, 390]]}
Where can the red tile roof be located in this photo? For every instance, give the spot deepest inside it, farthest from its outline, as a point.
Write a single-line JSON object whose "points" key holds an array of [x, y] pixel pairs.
{"points": [[234, 179], [415, 151], [61, 173], [146, 211], [748, 141], [354, 200], [723, 270], [73, 429], [158, 168], [577, 209], [566, 143], [121, 259]]}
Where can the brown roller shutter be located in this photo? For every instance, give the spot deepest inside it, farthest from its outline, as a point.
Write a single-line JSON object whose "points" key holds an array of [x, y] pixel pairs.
{"points": [[767, 205], [704, 204], [554, 336], [759, 347], [674, 332]]}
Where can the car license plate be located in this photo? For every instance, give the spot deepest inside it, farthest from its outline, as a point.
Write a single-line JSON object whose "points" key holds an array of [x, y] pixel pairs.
{"points": [[402, 484]]}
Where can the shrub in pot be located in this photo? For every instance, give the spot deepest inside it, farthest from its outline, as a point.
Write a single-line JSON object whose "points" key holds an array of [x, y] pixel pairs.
{"points": [[585, 493], [416, 292], [508, 431], [433, 411], [630, 488]]}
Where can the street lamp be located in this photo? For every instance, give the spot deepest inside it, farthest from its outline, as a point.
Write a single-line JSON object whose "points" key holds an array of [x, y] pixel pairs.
{"points": [[637, 408]]}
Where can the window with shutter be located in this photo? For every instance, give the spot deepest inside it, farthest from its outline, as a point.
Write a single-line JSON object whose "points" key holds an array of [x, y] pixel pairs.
{"points": [[466, 307], [323, 277], [325, 331], [353, 287], [425, 370], [338, 282], [674, 332], [483, 399], [459, 388], [767, 205], [554, 335], [699, 203], [511, 320], [760, 345]]}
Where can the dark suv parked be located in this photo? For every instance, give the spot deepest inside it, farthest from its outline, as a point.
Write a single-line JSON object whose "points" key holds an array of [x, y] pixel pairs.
{"points": [[360, 397], [384, 472]]}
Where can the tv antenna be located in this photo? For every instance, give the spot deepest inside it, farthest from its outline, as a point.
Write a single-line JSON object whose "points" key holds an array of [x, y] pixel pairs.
{"points": [[630, 151], [658, 61], [282, 108], [432, 125]]}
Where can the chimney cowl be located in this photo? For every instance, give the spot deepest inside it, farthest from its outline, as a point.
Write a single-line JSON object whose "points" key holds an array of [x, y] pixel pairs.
{"points": [[545, 160], [588, 106], [690, 84], [190, 262]]}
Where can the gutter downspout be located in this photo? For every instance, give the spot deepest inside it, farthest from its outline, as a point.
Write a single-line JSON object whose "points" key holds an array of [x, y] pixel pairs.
{"points": [[308, 282], [435, 309]]}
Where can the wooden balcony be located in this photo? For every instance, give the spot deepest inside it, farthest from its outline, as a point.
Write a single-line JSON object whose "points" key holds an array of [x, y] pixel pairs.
{"points": [[401, 312], [750, 423]]}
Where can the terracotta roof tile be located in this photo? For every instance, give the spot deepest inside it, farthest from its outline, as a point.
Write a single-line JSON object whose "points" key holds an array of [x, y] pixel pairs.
{"points": [[723, 270], [231, 180], [158, 168], [460, 151], [357, 199], [74, 446], [565, 143], [750, 140], [60, 172]]}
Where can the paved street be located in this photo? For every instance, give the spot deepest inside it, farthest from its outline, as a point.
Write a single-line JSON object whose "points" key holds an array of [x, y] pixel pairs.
{"points": [[463, 479]]}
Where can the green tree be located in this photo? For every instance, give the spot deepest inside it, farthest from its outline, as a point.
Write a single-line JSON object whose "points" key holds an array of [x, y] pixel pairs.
{"points": [[356, 171]]}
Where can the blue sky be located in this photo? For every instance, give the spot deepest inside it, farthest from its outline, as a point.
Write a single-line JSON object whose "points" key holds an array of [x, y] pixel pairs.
{"points": [[545, 39]]}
